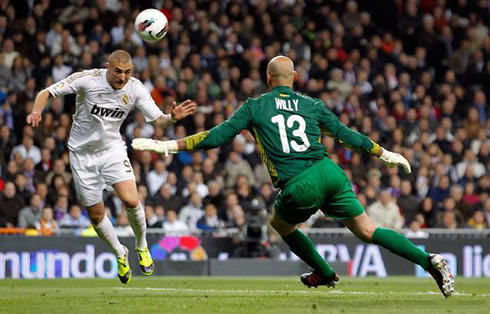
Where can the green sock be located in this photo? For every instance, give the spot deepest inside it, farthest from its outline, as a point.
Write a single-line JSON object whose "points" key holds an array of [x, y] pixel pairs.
{"points": [[301, 245], [401, 246]]}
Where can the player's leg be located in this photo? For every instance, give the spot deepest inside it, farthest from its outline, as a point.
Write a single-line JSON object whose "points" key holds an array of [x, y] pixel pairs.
{"points": [[89, 186], [127, 192], [364, 229], [301, 245], [104, 228], [118, 173], [136, 215], [301, 198]]}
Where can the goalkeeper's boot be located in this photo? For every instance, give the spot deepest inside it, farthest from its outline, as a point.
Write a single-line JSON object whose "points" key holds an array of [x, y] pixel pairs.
{"points": [[443, 277], [123, 269], [146, 263], [315, 279]]}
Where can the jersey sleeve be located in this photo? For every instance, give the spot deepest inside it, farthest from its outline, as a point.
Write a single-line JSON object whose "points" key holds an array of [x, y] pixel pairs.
{"points": [[145, 103], [223, 132], [72, 84], [333, 127]]}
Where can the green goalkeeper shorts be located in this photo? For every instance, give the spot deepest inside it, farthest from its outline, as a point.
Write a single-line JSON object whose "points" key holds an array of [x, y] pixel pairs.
{"points": [[323, 186]]}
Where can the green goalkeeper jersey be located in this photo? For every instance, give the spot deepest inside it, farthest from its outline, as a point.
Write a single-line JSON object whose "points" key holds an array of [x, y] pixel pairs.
{"points": [[287, 127]]}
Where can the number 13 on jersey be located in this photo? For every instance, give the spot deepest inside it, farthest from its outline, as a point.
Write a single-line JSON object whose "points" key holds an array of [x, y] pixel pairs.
{"points": [[299, 132]]}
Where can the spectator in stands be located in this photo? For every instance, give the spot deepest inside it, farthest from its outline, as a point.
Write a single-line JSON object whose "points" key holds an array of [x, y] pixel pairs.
{"points": [[47, 224], [415, 228], [215, 196], [59, 169], [210, 220], [30, 216], [146, 129], [42, 190], [152, 220], [60, 70], [9, 53], [385, 212], [448, 221], [469, 196], [60, 207], [74, 219], [10, 206], [470, 161], [478, 221], [480, 104], [160, 213], [441, 192], [167, 198], [46, 163], [156, 177], [235, 166], [21, 187], [192, 212], [408, 202], [449, 205], [27, 149], [173, 226], [456, 194], [7, 141], [122, 225], [31, 175]]}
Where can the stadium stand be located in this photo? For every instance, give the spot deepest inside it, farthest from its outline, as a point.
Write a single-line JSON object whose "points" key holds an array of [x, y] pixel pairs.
{"points": [[412, 75]]}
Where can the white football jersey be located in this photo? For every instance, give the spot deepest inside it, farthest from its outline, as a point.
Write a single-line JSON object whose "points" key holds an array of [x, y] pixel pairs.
{"points": [[100, 109]]}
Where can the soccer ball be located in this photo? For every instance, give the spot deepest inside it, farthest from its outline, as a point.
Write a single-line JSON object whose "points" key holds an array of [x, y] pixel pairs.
{"points": [[151, 25]]}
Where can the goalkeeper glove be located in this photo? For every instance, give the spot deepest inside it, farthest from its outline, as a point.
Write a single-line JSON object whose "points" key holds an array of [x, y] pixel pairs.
{"points": [[395, 159], [161, 147]]}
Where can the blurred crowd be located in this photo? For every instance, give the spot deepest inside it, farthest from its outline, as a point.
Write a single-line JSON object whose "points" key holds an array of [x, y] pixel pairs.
{"points": [[412, 75]]}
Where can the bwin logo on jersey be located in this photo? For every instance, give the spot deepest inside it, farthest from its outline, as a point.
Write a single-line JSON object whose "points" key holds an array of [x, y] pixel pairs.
{"points": [[107, 112]]}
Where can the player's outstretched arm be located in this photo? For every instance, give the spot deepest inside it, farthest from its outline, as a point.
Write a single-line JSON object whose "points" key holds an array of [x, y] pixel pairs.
{"points": [[160, 147], [178, 112], [183, 110], [215, 137], [353, 139], [394, 159], [35, 117]]}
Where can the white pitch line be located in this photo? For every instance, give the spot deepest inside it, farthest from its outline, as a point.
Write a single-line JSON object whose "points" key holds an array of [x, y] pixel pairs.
{"points": [[235, 291]]}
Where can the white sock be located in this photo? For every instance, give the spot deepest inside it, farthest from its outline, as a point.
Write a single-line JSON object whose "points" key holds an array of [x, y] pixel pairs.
{"points": [[106, 232], [137, 220]]}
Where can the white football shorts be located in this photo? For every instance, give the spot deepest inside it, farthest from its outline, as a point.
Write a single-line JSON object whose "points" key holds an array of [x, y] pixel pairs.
{"points": [[93, 171]]}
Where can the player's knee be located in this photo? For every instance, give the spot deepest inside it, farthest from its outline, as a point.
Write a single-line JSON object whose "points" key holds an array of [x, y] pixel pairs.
{"points": [[131, 203], [282, 227], [96, 217], [366, 234]]}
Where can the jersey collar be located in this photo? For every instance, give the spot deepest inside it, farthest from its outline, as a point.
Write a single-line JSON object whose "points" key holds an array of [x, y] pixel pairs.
{"points": [[282, 89]]}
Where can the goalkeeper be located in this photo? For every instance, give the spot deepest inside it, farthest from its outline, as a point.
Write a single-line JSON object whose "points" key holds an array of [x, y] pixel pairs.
{"points": [[287, 127]]}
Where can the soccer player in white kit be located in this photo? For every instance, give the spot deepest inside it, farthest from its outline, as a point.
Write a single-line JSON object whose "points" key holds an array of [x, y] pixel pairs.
{"points": [[98, 155]]}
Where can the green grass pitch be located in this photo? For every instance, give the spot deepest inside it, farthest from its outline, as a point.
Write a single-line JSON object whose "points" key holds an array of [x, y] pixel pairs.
{"points": [[240, 295]]}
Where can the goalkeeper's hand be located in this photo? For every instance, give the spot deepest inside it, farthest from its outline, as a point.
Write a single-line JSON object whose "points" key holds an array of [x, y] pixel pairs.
{"points": [[395, 159], [161, 147]]}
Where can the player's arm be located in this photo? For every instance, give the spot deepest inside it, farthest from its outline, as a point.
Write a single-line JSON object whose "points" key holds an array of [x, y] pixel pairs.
{"points": [[35, 117], [145, 103], [178, 112], [70, 85], [215, 137], [333, 127]]}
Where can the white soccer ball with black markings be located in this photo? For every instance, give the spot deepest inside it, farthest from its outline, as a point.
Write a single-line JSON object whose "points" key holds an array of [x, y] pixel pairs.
{"points": [[151, 25]]}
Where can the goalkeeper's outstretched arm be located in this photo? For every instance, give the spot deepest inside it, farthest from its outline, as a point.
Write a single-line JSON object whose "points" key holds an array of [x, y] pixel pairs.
{"points": [[217, 136], [353, 139]]}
